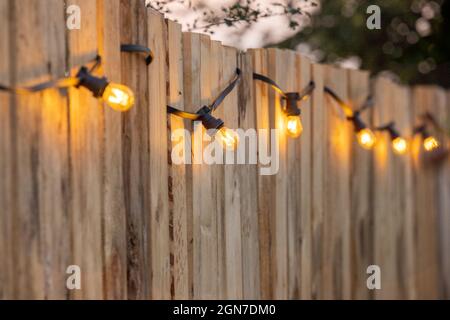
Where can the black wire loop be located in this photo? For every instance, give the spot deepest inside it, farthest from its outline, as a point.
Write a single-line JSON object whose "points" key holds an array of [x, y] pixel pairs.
{"points": [[140, 49], [207, 109]]}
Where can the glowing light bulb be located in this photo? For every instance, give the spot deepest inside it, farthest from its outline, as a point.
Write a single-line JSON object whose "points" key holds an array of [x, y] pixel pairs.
{"points": [[118, 97], [227, 138], [400, 145], [430, 143], [366, 138], [294, 127]]}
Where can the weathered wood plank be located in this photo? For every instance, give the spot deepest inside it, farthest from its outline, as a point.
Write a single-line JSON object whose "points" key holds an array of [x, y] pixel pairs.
{"points": [[360, 179], [318, 153], [191, 84], [265, 194], [293, 187], [336, 264], [177, 179], [6, 159], [159, 196], [249, 183], [425, 194], [39, 153], [304, 149], [384, 195], [135, 152], [277, 71], [86, 158], [402, 113], [114, 223]]}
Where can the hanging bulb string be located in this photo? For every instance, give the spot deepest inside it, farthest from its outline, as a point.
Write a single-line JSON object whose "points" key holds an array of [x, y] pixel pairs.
{"points": [[57, 83], [207, 109]]}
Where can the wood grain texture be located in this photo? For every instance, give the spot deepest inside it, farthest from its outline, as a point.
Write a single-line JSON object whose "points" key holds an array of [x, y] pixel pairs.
{"points": [[248, 182], [159, 194], [318, 181], [427, 261], [277, 71], [86, 153], [114, 223], [336, 264], [303, 243], [384, 213], [135, 152], [265, 186], [6, 159], [403, 116], [179, 211], [83, 185], [361, 190]]}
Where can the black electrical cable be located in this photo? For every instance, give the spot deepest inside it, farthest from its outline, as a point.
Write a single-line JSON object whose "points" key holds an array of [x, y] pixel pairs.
{"points": [[207, 109], [275, 86], [58, 83], [139, 49]]}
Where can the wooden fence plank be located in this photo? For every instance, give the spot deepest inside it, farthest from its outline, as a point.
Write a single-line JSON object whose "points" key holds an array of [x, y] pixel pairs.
{"points": [[159, 199], [191, 84], [39, 154], [86, 152], [292, 186], [218, 173], [405, 223], [248, 183], [318, 181], [278, 71], [360, 179], [135, 152], [385, 195], [337, 268], [6, 159], [425, 195], [177, 178], [444, 201], [265, 194], [114, 223], [303, 166]]}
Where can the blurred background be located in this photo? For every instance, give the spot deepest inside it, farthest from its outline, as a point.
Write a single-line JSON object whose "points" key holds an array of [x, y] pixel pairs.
{"points": [[411, 46]]}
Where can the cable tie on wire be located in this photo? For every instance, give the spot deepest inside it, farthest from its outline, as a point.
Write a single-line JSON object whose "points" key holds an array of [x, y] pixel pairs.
{"points": [[139, 49]]}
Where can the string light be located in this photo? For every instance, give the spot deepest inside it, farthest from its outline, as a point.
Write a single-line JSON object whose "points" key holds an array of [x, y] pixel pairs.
{"points": [[365, 137], [430, 143], [215, 127], [117, 96], [291, 110], [399, 144]]}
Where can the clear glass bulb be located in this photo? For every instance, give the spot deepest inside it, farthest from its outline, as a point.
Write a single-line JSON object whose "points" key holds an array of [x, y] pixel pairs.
{"points": [[430, 143], [400, 145], [228, 138], [118, 97], [294, 127], [366, 138]]}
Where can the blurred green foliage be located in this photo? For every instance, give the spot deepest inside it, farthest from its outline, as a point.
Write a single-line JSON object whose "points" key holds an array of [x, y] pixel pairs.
{"points": [[413, 42]]}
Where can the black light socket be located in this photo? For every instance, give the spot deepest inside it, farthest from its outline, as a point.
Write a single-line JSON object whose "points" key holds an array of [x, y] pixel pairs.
{"points": [[390, 127], [357, 122], [208, 121], [292, 108], [94, 84]]}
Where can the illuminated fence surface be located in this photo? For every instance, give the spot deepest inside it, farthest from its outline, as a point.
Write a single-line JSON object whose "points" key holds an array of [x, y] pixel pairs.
{"points": [[81, 184]]}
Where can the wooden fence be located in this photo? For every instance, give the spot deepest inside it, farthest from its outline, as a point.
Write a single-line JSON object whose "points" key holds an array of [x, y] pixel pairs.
{"points": [[81, 184]]}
